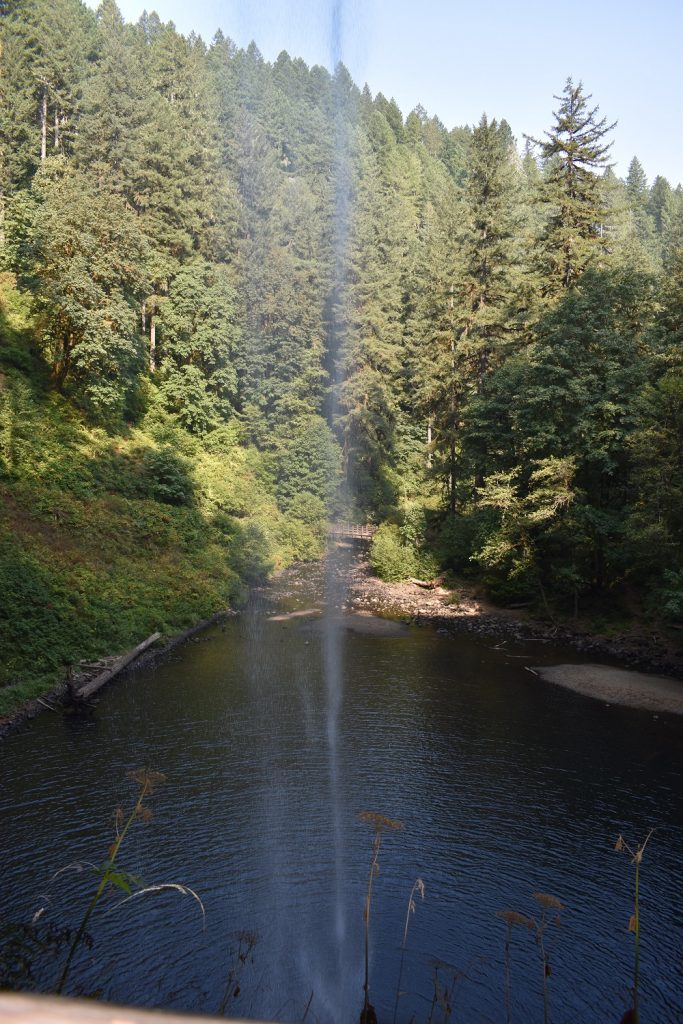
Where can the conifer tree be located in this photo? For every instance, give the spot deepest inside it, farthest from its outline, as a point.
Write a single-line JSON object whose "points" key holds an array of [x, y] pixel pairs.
{"points": [[636, 183], [487, 293], [45, 53], [658, 200], [486, 316], [198, 337], [369, 314], [574, 151], [430, 315], [638, 194]]}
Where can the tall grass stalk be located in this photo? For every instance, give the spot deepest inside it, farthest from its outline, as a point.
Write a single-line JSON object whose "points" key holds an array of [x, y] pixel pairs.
{"points": [[418, 889], [444, 990], [380, 823], [246, 941], [548, 903], [147, 781], [511, 918], [634, 921]]}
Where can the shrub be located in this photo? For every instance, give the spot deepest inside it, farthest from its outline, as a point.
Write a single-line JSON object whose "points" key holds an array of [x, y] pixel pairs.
{"points": [[390, 558], [671, 595], [308, 508], [455, 542], [166, 476], [250, 555]]}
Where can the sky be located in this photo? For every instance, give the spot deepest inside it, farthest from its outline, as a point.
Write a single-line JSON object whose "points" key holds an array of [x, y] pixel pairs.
{"points": [[505, 58]]}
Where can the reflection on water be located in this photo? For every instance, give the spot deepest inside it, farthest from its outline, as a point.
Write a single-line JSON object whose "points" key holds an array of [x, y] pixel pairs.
{"points": [[507, 786]]}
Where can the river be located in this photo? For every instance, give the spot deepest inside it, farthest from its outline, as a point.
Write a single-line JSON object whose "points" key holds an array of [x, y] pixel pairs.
{"points": [[505, 785]]}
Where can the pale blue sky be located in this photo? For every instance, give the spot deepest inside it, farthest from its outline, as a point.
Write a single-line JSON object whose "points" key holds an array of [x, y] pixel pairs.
{"points": [[459, 59]]}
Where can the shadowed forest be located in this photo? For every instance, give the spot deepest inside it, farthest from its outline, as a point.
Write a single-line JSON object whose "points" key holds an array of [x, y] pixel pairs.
{"points": [[238, 299]]}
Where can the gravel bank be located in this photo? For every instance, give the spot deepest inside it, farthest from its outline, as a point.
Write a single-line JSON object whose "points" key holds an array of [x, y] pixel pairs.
{"points": [[454, 612], [618, 686]]}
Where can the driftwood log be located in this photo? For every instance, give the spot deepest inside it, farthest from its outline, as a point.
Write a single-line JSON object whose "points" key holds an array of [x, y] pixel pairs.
{"points": [[82, 693], [425, 584]]}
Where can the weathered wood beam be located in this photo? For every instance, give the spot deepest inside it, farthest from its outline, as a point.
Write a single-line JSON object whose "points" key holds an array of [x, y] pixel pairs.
{"points": [[20, 1008], [99, 681]]}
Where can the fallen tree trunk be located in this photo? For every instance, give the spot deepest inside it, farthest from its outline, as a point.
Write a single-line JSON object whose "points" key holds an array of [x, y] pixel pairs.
{"points": [[428, 584], [99, 681]]}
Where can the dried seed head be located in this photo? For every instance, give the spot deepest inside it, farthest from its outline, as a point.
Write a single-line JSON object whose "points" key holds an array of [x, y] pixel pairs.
{"points": [[511, 918], [147, 779], [547, 902], [379, 821], [620, 844]]}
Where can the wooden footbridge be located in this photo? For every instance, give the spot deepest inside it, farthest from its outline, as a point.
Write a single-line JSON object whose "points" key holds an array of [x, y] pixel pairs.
{"points": [[349, 531]]}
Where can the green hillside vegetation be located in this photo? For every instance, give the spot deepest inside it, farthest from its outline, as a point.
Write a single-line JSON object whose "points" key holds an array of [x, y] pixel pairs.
{"points": [[239, 297], [105, 538]]}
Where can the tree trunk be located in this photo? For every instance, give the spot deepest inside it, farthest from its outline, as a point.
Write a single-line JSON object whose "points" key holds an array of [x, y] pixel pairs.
{"points": [[152, 343], [43, 125], [62, 364], [429, 444], [451, 480]]}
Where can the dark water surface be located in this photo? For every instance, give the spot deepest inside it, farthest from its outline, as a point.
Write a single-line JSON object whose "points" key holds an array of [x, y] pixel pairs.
{"points": [[506, 785]]}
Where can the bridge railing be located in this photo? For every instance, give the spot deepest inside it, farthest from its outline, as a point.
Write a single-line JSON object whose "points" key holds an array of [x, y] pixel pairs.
{"points": [[20, 1008], [350, 531]]}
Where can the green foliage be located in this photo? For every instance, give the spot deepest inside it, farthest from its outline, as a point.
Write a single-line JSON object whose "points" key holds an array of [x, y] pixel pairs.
{"points": [[198, 339], [456, 538], [528, 513], [574, 151], [168, 477], [309, 509], [87, 275], [279, 301], [103, 541], [390, 558], [249, 557], [309, 461], [671, 595], [394, 557]]}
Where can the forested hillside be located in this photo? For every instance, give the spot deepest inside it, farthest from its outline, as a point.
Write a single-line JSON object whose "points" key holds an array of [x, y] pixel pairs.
{"points": [[237, 297]]}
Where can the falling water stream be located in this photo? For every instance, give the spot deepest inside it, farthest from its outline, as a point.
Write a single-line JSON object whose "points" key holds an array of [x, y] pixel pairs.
{"points": [[274, 734]]}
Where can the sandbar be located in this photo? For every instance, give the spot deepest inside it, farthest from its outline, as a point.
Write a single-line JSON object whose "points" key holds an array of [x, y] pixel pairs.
{"points": [[618, 686]]}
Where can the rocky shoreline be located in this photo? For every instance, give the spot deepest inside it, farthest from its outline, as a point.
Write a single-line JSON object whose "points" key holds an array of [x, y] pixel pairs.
{"points": [[452, 612], [447, 611], [55, 699]]}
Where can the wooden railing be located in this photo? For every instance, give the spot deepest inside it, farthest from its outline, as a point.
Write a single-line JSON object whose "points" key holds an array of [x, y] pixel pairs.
{"points": [[17, 1008], [350, 531]]}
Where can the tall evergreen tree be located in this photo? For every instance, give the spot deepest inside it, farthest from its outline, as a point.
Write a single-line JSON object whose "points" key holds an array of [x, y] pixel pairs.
{"points": [[574, 150], [198, 334], [369, 314], [45, 52], [430, 314], [487, 295], [660, 194], [638, 195]]}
